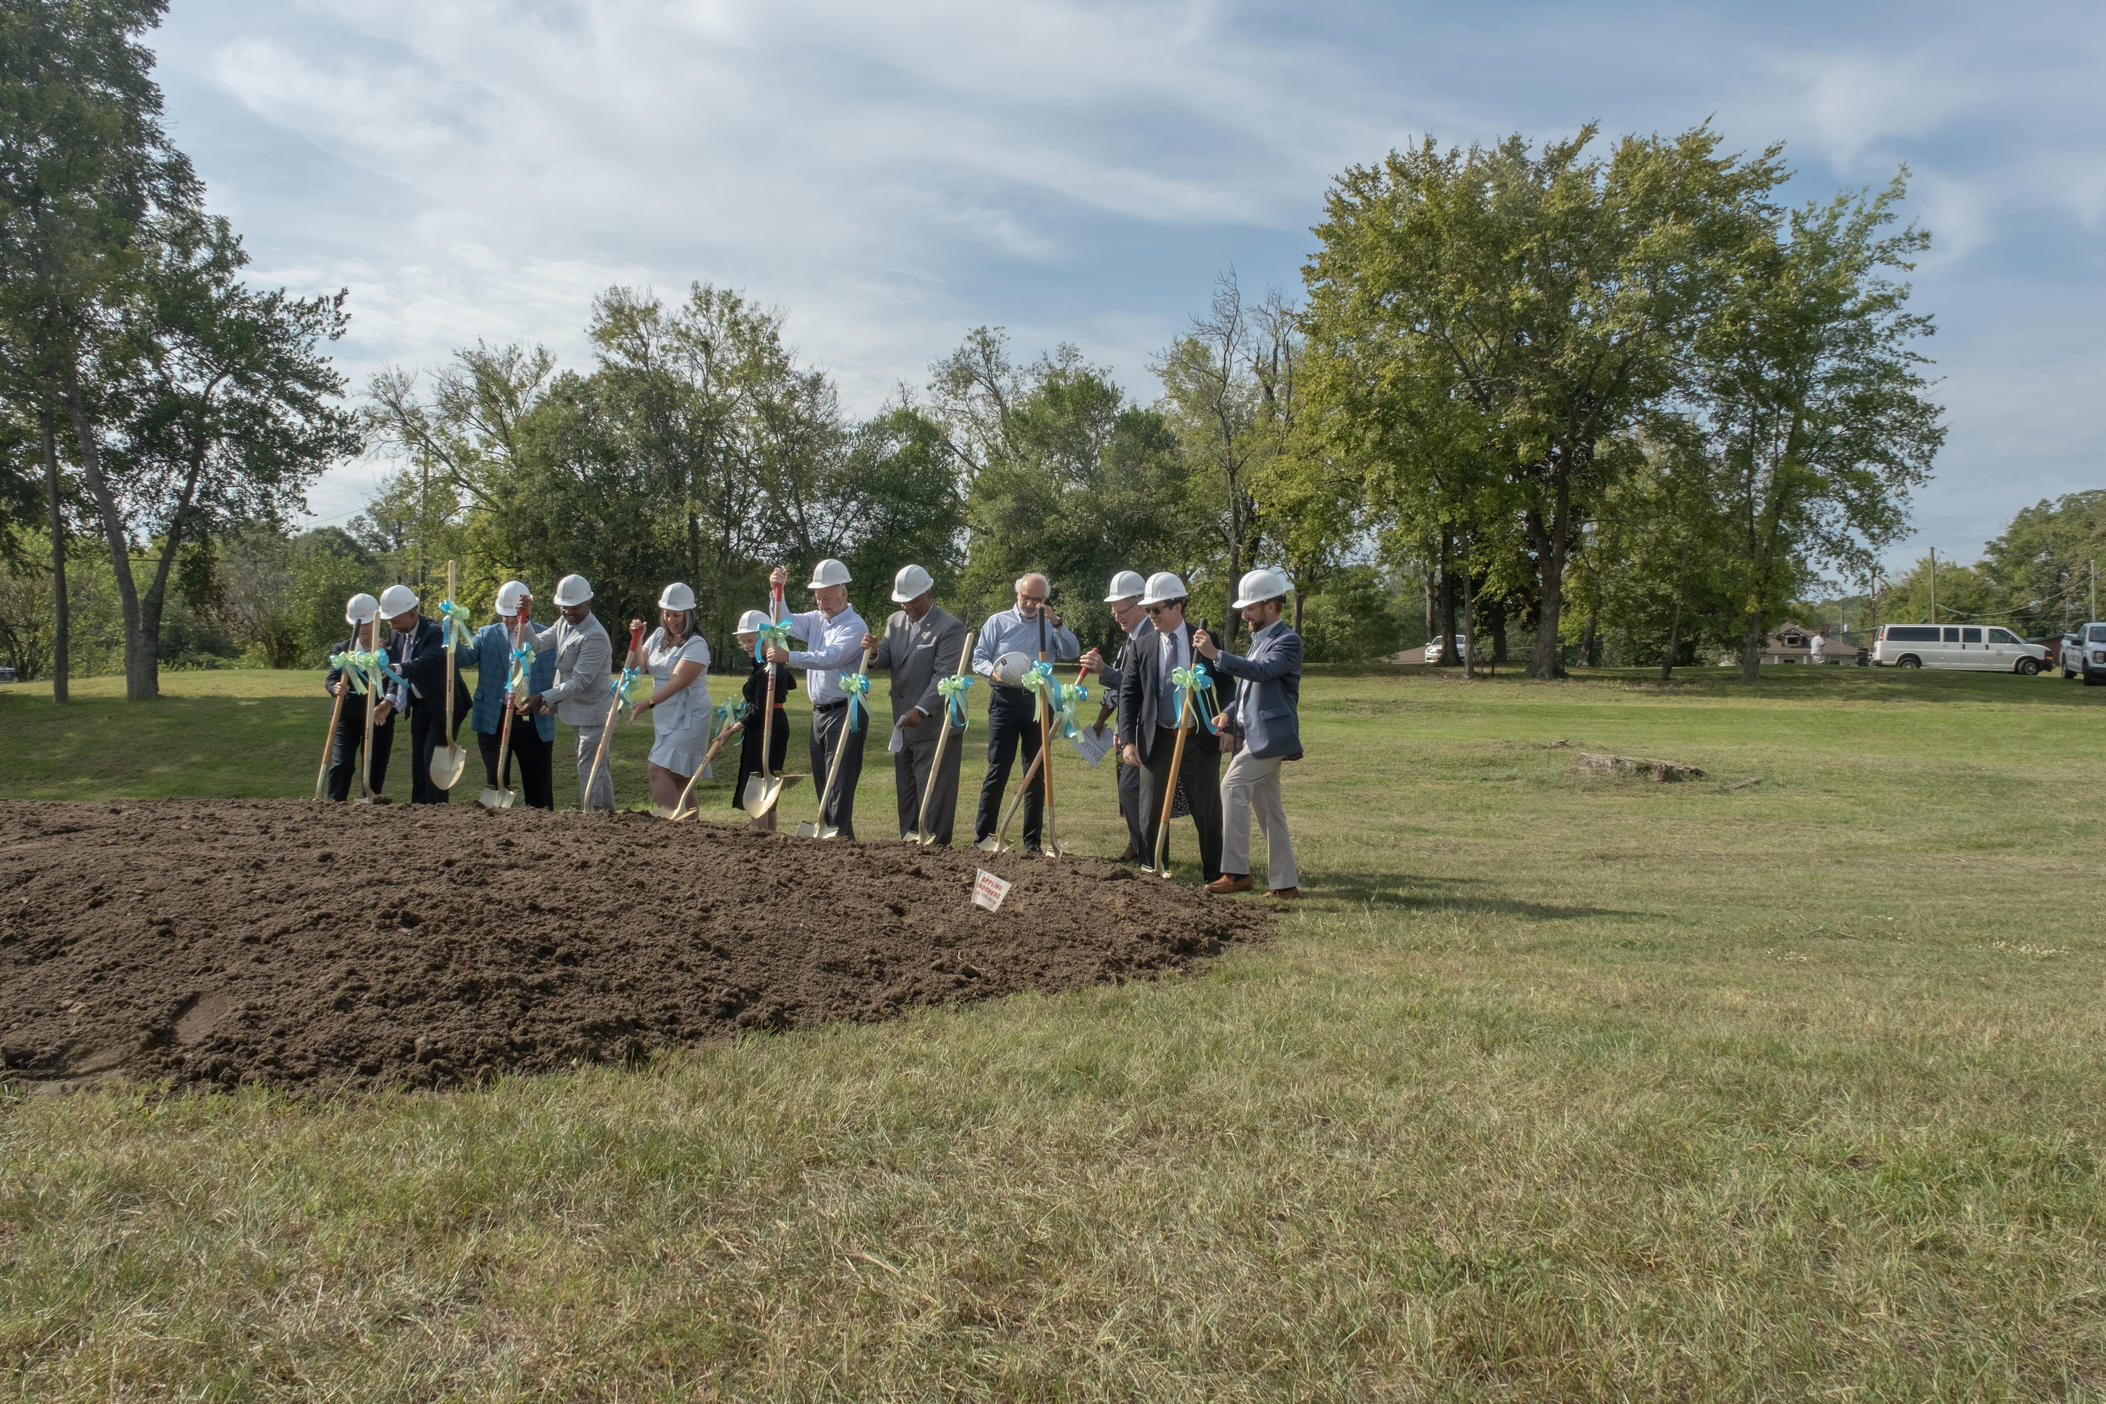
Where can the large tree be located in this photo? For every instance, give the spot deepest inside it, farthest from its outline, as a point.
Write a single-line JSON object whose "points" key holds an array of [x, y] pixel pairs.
{"points": [[1551, 290], [84, 164], [212, 404], [1808, 386]]}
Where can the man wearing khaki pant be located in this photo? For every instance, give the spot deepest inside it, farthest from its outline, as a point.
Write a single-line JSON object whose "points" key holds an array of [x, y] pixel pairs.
{"points": [[1260, 718]]}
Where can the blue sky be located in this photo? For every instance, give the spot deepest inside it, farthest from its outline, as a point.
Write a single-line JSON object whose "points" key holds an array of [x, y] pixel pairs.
{"points": [[893, 174]]}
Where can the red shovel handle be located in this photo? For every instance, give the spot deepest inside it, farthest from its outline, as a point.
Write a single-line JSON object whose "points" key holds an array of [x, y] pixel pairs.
{"points": [[635, 636]]}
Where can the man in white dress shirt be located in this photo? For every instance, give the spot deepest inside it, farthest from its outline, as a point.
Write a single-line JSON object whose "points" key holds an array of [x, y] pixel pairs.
{"points": [[833, 637], [1029, 629]]}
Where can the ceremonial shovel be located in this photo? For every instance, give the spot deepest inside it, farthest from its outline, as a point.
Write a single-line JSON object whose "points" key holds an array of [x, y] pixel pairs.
{"points": [[733, 725], [998, 841], [321, 777], [447, 765], [822, 829], [922, 835], [761, 797], [502, 798]]}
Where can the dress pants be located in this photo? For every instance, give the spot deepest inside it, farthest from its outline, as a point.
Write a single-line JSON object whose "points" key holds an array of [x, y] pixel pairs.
{"points": [[343, 750], [427, 729], [829, 730], [535, 763], [1011, 727], [1253, 786], [602, 796], [1201, 773], [910, 778], [1130, 806]]}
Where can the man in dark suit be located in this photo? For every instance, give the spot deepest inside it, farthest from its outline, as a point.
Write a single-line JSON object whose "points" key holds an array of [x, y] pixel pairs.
{"points": [[1149, 713], [1259, 717], [350, 734], [921, 647], [416, 650], [1125, 601]]}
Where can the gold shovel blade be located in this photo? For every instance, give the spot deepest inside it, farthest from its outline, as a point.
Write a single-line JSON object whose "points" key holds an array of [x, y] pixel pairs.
{"points": [[495, 799], [770, 790], [447, 765]]}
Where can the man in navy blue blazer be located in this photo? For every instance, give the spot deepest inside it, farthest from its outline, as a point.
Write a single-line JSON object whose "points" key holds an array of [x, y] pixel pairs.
{"points": [[1259, 716]]}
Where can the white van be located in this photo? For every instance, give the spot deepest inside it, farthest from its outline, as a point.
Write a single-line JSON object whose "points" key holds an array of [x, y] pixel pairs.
{"points": [[1981, 648]]}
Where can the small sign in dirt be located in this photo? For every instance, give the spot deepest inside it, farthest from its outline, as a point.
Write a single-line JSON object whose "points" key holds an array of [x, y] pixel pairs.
{"points": [[989, 890]]}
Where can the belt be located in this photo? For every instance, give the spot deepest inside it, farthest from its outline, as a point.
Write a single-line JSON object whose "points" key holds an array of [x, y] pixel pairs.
{"points": [[830, 706]]}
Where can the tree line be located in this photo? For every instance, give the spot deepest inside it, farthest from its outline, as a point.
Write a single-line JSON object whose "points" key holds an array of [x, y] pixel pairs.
{"points": [[1580, 401]]}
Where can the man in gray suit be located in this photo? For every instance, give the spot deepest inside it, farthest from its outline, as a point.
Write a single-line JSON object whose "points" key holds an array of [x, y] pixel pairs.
{"points": [[580, 696], [921, 647], [1259, 717], [1125, 602]]}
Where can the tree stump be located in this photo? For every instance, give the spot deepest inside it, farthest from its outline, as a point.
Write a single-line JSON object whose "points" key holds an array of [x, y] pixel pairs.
{"points": [[1660, 771]]}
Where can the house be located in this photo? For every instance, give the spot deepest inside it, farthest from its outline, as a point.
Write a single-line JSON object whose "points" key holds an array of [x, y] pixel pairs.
{"points": [[1793, 643]]}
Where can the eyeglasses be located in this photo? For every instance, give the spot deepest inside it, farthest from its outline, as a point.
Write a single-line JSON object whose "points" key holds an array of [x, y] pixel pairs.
{"points": [[1022, 598], [1157, 609]]}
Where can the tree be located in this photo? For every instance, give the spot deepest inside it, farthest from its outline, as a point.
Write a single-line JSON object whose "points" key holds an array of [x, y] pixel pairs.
{"points": [[2043, 568], [219, 403], [84, 163], [1807, 388], [1550, 291]]}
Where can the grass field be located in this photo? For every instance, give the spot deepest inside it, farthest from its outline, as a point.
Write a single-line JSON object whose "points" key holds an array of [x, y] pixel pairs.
{"points": [[1556, 1088]]}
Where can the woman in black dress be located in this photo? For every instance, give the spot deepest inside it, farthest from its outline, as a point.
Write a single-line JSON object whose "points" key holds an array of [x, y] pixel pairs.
{"points": [[756, 693]]}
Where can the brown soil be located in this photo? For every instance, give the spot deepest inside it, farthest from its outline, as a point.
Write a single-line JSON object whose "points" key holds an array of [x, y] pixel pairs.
{"points": [[307, 947]]}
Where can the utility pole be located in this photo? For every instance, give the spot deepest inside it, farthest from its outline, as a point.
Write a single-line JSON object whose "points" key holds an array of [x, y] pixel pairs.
{"points": [[2095, 589], [1934, 585]]}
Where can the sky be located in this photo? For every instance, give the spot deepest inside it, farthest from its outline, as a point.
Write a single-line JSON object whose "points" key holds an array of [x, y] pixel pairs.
{"points": [[892, 175]]}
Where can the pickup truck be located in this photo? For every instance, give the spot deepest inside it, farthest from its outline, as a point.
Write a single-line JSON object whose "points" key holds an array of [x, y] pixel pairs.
{"points": [[2084, 654]]}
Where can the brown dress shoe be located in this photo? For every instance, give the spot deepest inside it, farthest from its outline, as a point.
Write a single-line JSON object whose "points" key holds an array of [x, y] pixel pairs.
{"points": [[1228, 883], [1286, 894]]}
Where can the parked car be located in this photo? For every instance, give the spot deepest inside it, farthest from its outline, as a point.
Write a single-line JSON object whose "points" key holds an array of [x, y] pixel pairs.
{"points": [[2084, 654], [1983, 648], [7, 674], [1462, 648]]}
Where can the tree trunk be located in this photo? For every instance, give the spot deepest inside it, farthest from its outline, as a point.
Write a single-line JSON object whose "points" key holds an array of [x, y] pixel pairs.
{"points": [[1235, 564], [1751, 638], [1550, 553], [1588, 639], [1674, 628], [1298, 610], [1448, 658], [1495, 625], [142, 680], [1469, 625], [62, 634]]}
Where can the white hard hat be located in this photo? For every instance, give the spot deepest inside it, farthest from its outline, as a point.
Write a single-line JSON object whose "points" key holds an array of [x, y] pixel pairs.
{"points": [[360, 608], [397, 599], [1125, 586], [828, 572], [573, 590], [510, 594], [1260, 585], [751, 622], [1163, 587], [911, 583], [676, 596], [1010, 668]]}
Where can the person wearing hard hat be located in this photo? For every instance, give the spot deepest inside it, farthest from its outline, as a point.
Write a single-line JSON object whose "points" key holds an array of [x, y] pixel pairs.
{"points": [[756, 701], [1125, 601], [920, 648], [1149, 713], [1259, 717], [533, 738], [360, 612], [417, 651], [681, 710], [833, 634], [579, 696], [1010, 642]]}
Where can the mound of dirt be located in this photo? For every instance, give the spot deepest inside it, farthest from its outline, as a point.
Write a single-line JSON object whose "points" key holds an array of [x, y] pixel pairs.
{"points": [[308, 947]]}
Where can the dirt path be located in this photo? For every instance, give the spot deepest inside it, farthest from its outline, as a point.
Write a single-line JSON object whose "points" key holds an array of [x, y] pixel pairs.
{"points": [[275, 941]]}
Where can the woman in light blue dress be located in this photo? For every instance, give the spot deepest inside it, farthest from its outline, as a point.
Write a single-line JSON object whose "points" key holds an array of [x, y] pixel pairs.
{"points": [[681, 711]]}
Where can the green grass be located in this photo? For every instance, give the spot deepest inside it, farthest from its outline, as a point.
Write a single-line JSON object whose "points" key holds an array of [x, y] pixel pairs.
{"points": [[1556, 1088]]}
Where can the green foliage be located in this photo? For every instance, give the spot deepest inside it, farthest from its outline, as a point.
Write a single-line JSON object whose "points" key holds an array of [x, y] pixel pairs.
{"points": [[1963, 593], [2042, 571], [1356, 618]]}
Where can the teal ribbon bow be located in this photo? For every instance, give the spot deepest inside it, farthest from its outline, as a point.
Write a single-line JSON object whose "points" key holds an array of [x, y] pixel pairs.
{"points": [[776, 635], [453, 625], [633, 685], [346, 666], [522, 661], [1071, 696], [857, 686], [1195, 681], [953, 691], [1040, 680], [729, 712]]}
